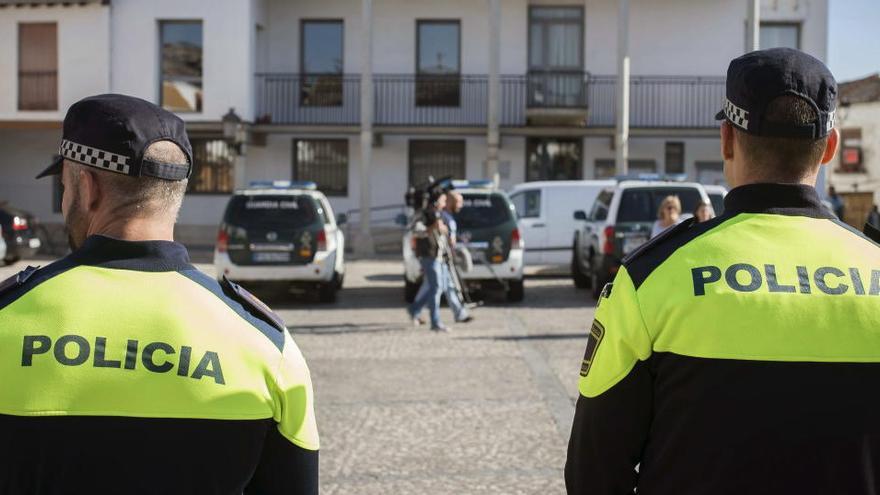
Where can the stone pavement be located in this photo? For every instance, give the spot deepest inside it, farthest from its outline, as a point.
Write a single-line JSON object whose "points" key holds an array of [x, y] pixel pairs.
{"points": [[486, 408]]}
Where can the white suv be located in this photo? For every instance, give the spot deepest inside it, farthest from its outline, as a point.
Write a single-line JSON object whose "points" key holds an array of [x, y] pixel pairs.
{"points": [[619, 222], [282, 232]]}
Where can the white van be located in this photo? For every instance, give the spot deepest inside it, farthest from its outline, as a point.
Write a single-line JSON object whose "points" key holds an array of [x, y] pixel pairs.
{"points": [[546, 216]]}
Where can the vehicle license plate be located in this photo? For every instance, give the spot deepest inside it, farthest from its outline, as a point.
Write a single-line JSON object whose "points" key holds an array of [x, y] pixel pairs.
{"points": [[271, 257], [630, 244], [34, 242]]}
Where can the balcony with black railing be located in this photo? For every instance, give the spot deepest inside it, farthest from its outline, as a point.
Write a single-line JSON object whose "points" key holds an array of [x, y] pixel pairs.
{"points": [[406, 100]]}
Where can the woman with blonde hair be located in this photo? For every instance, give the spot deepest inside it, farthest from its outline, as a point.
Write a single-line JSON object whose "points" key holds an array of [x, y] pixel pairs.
{"points": [[668, 215]]}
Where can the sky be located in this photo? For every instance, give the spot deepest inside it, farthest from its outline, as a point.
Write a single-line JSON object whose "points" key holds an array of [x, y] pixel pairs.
{"points": [[854, 38]]}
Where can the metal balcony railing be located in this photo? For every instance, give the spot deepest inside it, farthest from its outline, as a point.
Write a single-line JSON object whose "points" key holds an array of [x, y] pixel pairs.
{"points": [[308, 99], [461, 100]]}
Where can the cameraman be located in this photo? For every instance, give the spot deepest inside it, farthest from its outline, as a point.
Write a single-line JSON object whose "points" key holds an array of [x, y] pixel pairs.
{"points": [[430, 242]]}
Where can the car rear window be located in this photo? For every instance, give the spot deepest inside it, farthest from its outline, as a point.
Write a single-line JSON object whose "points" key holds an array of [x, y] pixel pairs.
{"points": [[641, 204], [272, 210], [717, 200], [483, 210]]}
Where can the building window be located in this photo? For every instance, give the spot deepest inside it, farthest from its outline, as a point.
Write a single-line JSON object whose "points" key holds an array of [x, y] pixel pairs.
{"points": [[556, 61], [436, 158], [674, 158], [213, 167], [324, 162], [181, 48], [553, 159], [38, 66], [321, 63], [851, 152], [438, 67], [606, 168], [780, 35]]}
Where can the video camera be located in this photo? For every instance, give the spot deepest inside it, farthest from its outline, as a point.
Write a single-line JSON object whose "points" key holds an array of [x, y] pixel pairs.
{"points": [[422, 198]]}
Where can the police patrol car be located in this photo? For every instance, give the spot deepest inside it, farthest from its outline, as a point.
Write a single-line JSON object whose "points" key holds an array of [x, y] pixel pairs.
{"points": [[487, 227], [282, 231]]}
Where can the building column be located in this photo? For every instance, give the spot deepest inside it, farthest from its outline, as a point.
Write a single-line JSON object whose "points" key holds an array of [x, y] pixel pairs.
{"points": [[364, 244], [621, 139], [493, 138], [753, 26]]}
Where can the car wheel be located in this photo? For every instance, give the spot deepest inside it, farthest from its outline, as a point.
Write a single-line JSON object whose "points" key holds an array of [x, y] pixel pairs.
{"points": [[409, 290], [581, 280], [515, 290], [339, 278], [327, 291]]}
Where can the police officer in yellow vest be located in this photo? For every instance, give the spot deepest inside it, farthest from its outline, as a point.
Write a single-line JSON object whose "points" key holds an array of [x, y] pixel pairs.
{"points": [[742, 355], [126, 370]]}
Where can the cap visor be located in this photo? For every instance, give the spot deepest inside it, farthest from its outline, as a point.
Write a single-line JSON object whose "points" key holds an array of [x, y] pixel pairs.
{"points": [[720, 115], [53, 169]]}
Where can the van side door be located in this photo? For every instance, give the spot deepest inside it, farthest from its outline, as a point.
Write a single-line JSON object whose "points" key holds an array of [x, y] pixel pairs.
{"points": [[531, 214]]}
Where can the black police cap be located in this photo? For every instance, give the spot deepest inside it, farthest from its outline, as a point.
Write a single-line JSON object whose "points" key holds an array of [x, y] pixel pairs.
{"points": [[757, 78], [111, 132]]}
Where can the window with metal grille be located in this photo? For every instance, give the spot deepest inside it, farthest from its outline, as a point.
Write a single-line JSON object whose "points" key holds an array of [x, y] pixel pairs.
{"points": [[181, 62], [674, 158], [324, 162], [38, 66], [213, 167], [436, 158]]}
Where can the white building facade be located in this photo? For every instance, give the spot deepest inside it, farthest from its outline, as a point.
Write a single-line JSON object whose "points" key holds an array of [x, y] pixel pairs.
{"points": [[515, 89]]}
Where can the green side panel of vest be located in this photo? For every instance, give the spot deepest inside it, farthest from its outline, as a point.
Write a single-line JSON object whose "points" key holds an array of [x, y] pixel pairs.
{"points": [[234, 371], [792, 318], [618, 339]]}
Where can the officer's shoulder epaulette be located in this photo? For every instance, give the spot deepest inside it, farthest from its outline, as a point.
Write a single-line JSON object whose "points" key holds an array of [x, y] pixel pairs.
{"points": [[657, 240], [252, 304], [17, 280]]}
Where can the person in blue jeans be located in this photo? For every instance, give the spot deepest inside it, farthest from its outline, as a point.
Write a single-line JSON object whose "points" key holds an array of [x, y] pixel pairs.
{"points": [[454, 203], [429, 258]]}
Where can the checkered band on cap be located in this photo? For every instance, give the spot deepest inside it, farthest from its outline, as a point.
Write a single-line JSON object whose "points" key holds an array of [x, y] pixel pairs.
{"points": [[829, 123], [736, 115], [94, 157]]}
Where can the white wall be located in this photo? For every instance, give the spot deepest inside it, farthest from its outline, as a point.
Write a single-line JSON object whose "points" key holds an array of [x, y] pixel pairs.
{"points": [[227, 39], [83, 56], [865, 116], [673, 37]]}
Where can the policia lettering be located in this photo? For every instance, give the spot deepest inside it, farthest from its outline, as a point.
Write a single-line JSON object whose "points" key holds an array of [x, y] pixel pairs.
{"points": [[74, 350], [743, 277]]}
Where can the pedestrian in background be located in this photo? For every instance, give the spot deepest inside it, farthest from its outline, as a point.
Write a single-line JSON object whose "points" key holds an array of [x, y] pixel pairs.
{"points": [[739, 355], [874, 217], [430, 242], [668, 215], [454, 203], [704, 212], [124, 368]]}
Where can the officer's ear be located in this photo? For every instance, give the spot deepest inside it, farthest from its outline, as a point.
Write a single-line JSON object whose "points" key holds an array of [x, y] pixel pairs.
{"points": [[727, 138], [90, 188], [831, 145]]}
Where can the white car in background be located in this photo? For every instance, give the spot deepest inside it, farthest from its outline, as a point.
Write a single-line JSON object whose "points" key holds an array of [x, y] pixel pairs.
{"points": [[546, 216], [716, 196]]}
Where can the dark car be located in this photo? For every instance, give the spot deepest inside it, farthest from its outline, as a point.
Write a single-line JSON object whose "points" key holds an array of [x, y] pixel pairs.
{"points": [[19, 233]]}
